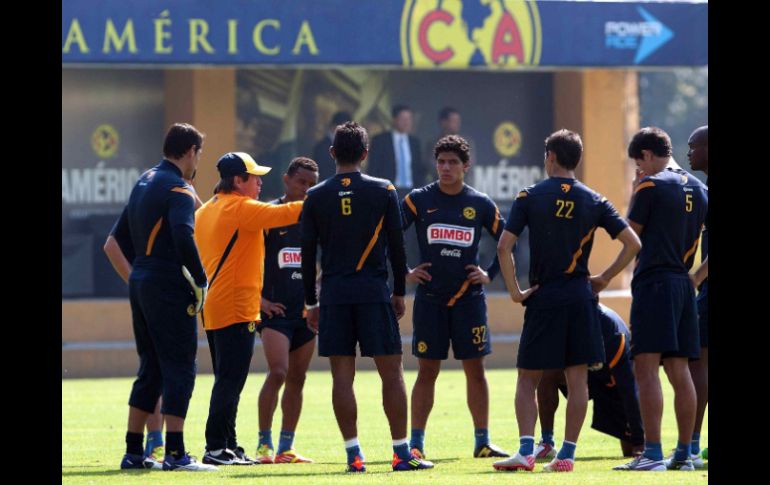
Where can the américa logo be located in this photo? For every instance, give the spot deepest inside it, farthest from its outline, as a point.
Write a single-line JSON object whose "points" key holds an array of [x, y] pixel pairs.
{"points": [[455, 33]]}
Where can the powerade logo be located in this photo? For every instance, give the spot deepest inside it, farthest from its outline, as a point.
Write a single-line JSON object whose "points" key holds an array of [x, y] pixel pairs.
{"points": [[455, 33], [645, 37], [452, 235], [290, 258]]}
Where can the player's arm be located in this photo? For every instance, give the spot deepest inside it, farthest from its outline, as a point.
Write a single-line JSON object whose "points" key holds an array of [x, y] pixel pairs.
{"points": [[272, 309], [494, 224], [117, 258], [309, 243], [119, 248], [641, 205], [397, 252], [508, 267], [701, 273], [418, 274], [181, 206], [617, 228]]}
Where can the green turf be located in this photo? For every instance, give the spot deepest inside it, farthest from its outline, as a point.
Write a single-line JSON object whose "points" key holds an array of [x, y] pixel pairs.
{"points": [[94, 416]]}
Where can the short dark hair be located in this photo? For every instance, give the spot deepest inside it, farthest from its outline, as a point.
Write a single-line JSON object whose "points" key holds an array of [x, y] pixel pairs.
{"points": [[227, 184], [567, 146], [350, 141], [340, 117], [455, 144], [179, 138], [446, 112], [650, 138], [301, 162], [398, 109]]}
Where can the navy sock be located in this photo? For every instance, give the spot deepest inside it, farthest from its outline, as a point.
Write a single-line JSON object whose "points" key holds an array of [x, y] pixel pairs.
{"points": [[548, 436], [682, 451], [354, 451], [175, 444], [567, 451], [653, 451], [482, 437], [695, 444], [266, 438], [526, 445], [134, 443], [402, 451], [154, 440], [418, 439], [285, 441]]}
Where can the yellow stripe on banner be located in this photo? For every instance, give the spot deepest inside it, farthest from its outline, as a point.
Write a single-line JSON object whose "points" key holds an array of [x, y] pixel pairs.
{"points": [[410, 204], [579, 252], [460, 293], [154, 233], [649, 183], [691, 250], [619, 353], [371, 245]]}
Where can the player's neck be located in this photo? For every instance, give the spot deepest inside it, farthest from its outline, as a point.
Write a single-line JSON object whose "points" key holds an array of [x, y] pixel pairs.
{"points": [[356, 167], [562, 173], [287, 198], [452, 189]]}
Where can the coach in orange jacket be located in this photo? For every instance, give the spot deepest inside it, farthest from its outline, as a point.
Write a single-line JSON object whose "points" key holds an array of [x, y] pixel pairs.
{"points": [[229, 233]]}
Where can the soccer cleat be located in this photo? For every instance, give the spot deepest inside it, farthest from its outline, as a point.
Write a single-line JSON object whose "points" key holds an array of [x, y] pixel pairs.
{"points": [[643, 464], [490, 451], [357, 466], [291, 456], [186, 463], [557, 465], [265, 454], [135, 462], [697, 461], [243, 458], [544, 450], [222, 457], [680, 465], [413, 463], [155, 459], [417, 452], [516, 462]]}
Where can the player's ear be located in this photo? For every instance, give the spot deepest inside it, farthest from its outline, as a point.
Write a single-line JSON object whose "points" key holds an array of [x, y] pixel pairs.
{"points": [[365, 154]]}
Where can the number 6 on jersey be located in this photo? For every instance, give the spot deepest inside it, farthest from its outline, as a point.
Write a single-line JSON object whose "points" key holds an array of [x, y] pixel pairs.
{"points": [[346, 211]]}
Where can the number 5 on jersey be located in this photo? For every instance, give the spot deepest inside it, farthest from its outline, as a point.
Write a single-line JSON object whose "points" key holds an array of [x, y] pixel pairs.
{"points": [[346, 211]]}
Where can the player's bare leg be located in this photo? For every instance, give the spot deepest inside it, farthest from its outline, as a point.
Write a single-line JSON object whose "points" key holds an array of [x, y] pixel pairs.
{"points": [[577, 400], [291, 401], [343, 397], [477, 391], [685, 401], [423, 391], [276, 348], [393, 393]]}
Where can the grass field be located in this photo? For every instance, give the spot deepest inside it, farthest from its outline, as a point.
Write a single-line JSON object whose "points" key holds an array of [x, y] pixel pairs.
{"points": [[94, 416]]}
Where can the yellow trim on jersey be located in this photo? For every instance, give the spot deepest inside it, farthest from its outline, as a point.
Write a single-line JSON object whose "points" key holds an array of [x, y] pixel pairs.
{"points": [[371, 245], [619, 353], [410, 204], [460, 293], [154, 233], [649, 183], [497, 220], [579, 252], [692, 250], [183, 191]]}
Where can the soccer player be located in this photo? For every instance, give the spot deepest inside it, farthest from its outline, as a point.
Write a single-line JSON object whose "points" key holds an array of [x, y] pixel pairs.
{"points": [[561, 325], [612, 389], [287, 341], [157, 227], [229, 230], [667, 210], [699, 369], [356, 219], [450, 305]]}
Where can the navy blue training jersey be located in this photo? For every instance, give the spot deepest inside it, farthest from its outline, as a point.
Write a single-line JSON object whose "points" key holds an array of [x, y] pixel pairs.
{"points": [[671, 207], [283, 268], [356, 220], [448, 231], [562, 215], [155, 230]]}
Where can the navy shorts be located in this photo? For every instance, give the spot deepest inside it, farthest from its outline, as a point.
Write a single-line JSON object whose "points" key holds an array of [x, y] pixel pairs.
{"points": [[373, 326], [167, 344], [464, 324], [295, 330], [556, 338], [703, 321], [664, 319]]}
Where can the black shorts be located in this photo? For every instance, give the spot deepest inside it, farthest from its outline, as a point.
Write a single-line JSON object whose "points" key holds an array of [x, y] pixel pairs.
{"points": [[373, 326], [464, 324], [664, 319], [295, 330], [556, 338]]}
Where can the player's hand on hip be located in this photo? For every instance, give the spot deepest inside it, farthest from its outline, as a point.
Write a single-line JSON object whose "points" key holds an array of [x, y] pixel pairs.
{"points": [[312, 318], [399, 307], [520, 296], [199, 292], [598, 283], [476, 275], [272, 309], [419, 274]]}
